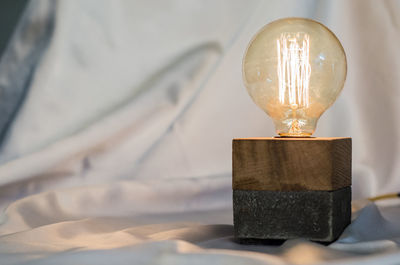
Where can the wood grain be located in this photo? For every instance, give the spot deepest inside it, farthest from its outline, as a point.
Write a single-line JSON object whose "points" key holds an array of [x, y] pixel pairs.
{"points": [[291, 164]]}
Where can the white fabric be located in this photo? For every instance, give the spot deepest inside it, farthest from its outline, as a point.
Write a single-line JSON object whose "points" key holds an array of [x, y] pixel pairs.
{"points": [[121, 152]]}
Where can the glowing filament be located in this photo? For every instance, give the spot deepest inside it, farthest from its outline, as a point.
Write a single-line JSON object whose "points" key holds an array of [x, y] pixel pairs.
{"points": [[294, 69]]}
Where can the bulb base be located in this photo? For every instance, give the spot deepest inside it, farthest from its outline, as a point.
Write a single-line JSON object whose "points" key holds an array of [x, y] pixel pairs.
{"points": [[288, 135]]}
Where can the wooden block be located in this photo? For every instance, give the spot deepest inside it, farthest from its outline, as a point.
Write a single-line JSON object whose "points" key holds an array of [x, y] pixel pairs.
{"points": [[315, 215], [291, 164]]}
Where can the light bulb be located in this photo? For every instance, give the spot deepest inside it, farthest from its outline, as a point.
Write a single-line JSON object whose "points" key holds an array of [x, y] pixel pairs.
{"points": [[294, 69]]}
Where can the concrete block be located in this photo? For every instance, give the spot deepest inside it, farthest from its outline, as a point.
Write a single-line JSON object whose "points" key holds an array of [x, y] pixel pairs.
{"points": [[315, 215]]}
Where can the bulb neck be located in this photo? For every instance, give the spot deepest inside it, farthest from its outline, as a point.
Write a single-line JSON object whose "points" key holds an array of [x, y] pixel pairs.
{"points": [[295, 128]]}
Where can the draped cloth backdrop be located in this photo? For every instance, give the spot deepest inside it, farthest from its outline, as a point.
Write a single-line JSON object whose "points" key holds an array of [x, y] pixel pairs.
{"points": [[117, 122]]}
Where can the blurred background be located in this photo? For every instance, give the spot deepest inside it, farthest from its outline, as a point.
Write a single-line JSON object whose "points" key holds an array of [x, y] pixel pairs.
{"points": [[129, 108]]}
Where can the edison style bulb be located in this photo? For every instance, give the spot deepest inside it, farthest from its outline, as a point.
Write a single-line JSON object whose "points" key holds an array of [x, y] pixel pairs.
{"points": [[294, 69]]}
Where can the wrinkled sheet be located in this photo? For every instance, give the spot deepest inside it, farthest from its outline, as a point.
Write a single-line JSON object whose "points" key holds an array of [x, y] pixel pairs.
{"points": [[118, 118]]}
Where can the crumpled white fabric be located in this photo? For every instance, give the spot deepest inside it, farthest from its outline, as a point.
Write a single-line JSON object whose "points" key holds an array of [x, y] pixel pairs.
{"points": [[121, 151]]}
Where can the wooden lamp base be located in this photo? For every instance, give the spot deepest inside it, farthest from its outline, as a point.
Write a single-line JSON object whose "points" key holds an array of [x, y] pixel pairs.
{"points": [[287, 188]]}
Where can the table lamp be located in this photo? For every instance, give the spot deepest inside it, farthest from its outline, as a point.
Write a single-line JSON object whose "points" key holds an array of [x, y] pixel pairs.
{"points": [[292, 185]]}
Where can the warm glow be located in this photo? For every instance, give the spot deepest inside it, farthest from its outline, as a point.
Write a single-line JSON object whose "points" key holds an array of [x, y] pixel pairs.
{"points": [[294, 69]]}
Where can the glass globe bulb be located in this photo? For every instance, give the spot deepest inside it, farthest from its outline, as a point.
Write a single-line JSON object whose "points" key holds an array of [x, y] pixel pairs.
{"points": [[294, 69]]}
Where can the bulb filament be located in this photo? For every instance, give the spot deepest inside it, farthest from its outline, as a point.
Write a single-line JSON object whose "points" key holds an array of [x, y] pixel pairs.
{"points": [[294, 69]]}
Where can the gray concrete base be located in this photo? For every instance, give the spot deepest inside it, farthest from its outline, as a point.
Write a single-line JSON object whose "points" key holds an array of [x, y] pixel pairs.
{"points": [[315, 215]]}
